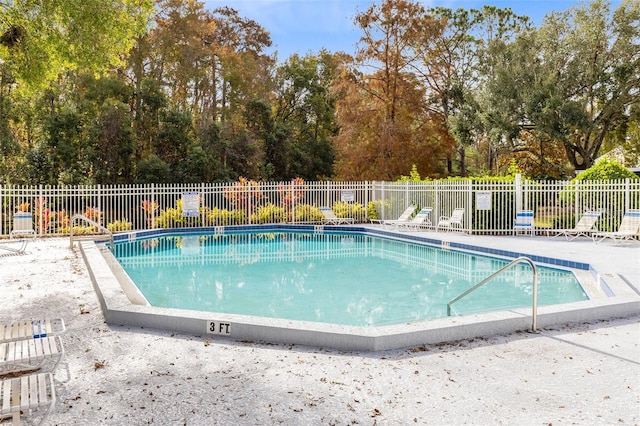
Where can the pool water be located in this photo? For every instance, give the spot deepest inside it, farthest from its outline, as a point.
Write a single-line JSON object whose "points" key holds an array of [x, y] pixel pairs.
{"points": [[341, 278]]}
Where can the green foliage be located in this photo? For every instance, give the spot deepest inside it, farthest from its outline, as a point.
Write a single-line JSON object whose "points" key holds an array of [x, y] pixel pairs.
{"points": [[350, 210], [514, 169], [269, 213], [119, 226], [577, 104], [169, 218], [605, 169], [223, 217], [307, 213], [372, 212], [39, 40], [153, 170], [414, 176], [173, 218], [305, 115]]}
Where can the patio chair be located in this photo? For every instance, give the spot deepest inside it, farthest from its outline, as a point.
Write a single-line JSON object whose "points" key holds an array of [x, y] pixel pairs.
{"points": [[330, 218], [13, 247], [30, 354], [449, 222], [524, 222], [629, 228], [27, 395], [22, 224], [26, 329], [585, 226], [403, 218], [420, 221]]}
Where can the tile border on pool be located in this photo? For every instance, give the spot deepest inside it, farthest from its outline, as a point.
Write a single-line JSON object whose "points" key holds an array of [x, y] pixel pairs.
{"points": [[119, 310]]}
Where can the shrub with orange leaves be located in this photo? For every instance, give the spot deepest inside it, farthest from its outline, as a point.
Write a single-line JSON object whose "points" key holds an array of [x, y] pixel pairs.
{"points": [[23, 207], [244, 194]]}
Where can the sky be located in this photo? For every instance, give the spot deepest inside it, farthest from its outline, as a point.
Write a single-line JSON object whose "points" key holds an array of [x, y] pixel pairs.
{"points": [[307, 26]]}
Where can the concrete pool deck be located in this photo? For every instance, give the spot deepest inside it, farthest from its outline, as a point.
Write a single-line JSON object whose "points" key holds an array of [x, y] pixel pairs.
{"points": [[611, 283], [583, 373]]}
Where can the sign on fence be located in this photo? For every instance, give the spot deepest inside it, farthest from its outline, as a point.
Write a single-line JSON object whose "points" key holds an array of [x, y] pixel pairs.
{"points": [[483, 200], [190, 204], [347, 196]]}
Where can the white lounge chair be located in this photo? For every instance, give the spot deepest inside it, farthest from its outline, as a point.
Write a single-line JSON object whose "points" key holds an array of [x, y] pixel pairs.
{"points": [[585, 227], [27, 395], [524, 222], [13, 247], [628, 230], [449, 222], [26, 329], [30, 354], [422, 220], [330, 218], [403, 218]]}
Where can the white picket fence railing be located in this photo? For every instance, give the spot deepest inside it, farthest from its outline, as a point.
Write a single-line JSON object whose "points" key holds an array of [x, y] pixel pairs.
{"points": [[490, 206]]}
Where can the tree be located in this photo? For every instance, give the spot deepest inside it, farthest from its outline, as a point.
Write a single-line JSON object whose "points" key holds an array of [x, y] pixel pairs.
{"points": [[304, 112], [454, 67], [384, 120], [112, 144], [574, 81], [39, 39]]}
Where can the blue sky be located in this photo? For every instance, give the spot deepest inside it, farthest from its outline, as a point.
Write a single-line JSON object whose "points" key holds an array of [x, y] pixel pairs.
{"points": [[303, 26]]}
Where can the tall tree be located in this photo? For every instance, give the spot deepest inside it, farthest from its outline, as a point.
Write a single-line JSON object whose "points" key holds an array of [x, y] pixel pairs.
{"points": [[454, 67], [385, 125], [305, 113], [574, 81]]}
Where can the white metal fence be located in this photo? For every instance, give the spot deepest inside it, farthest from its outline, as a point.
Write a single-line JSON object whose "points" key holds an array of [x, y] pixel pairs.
{"points": [[490, 206]]}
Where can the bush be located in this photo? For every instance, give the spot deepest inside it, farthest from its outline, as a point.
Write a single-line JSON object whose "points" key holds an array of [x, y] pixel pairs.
{"points": [[307, 213], [173, 218], [169, 218], [350, 210], [372, 212], [605, 169], [119, 226], [222, 217], [269, 213]]}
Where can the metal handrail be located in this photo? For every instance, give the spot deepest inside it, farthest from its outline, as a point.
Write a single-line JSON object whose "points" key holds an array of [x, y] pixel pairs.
{"points": [[92, 223], [498, 272]]}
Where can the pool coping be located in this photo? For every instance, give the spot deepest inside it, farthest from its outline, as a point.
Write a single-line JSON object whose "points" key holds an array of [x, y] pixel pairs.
{"points": [[617, 299]]}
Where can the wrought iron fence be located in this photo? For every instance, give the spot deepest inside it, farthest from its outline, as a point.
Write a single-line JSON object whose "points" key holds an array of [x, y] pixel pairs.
{"points": [[489, 206]]}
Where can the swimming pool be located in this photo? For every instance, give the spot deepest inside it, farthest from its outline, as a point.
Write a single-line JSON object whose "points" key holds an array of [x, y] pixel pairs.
{"points": [[609, 296], [334, 277]]}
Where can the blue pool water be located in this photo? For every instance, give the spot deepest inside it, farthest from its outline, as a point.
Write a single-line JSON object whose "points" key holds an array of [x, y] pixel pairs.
{"points": [[342, 278]]}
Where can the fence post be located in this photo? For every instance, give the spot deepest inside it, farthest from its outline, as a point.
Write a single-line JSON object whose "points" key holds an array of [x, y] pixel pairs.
{"points": [[153, 214], [578, 202], [470, 209], [382, 203], [436, 203], [627, 194], [518, 190], [293, 204], [2, 210], [204, 213], [366, 199], [101, 214], [40, 231], [406, 191]]}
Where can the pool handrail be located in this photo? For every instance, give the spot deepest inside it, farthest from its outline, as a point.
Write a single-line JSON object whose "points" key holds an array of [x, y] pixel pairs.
{"points": [[92, 223], [498, 272]]}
